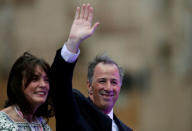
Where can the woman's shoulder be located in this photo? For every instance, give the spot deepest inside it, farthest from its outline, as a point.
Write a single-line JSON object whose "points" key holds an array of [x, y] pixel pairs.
{"points": [[6, 123]]}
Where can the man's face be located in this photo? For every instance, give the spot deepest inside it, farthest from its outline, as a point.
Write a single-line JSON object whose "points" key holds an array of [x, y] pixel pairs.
{"points": [[105, 87]]}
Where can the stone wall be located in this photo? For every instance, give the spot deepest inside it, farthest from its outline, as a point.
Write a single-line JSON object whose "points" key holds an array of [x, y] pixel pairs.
{"points": [[150, 39]]}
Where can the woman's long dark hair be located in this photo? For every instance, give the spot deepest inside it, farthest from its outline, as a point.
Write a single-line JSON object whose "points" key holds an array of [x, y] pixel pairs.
{"points": [[24, 69]]}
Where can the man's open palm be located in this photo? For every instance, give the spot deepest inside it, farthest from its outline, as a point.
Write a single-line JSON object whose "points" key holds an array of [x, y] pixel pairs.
{"points": [[82, 25]]}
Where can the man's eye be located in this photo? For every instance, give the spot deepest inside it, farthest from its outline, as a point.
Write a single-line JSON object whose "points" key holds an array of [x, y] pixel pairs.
{"points": [[102, 81], [114, 82]]}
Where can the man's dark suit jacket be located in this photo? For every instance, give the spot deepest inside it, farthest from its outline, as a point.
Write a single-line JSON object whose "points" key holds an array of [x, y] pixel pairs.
{"points": [[73, 111]]}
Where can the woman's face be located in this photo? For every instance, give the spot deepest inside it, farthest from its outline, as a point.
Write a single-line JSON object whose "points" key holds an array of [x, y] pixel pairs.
{"points": [[37, 90]]}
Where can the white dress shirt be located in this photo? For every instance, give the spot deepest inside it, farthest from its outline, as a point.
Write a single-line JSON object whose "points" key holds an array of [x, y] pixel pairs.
{"points": [[68, 56], [71, 57], [114, 125]]}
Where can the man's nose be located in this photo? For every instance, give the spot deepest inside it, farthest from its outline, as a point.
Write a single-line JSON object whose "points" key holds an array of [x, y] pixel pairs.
{"points": [[108, 86]]}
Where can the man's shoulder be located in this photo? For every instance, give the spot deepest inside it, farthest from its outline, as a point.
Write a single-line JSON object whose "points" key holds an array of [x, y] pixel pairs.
{"points": [[77, 93], [122, 125], [126, 127], [85, 102], [79, 97]]}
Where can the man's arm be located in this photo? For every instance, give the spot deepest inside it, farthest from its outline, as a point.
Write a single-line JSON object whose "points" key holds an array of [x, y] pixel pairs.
{"points": [[66, 109]]}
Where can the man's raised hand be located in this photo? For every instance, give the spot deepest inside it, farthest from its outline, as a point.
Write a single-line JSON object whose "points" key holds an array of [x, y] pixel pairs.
{"points": [[82, 27]]}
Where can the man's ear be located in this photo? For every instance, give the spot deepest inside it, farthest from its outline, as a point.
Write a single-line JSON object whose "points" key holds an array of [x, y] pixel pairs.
{"points": [[89, 87]]}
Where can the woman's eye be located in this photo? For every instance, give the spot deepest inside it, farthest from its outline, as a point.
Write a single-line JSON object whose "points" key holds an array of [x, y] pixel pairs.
{"points": [[46, 79], [35, 78]]}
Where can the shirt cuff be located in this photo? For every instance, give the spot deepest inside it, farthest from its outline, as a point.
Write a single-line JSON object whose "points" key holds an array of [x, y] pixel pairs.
{"points": [[69, 56]]}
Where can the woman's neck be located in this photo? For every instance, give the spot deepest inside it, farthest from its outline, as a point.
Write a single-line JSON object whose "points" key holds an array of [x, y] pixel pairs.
{"points": [[28, 117]]}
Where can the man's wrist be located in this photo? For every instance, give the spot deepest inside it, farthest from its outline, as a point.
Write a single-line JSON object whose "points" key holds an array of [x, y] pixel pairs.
{"points": [[73, 45], [69, 56]]}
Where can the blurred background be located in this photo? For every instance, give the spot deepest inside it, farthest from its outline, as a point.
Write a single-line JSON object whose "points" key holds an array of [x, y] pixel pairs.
{"points": [[150, 39]]}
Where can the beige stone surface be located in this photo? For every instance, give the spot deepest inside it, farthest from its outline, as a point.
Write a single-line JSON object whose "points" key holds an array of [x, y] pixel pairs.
{"points": [[150, 36]]}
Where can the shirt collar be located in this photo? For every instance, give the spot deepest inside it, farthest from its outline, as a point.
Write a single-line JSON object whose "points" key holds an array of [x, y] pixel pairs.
{"points": [[110, 114]]}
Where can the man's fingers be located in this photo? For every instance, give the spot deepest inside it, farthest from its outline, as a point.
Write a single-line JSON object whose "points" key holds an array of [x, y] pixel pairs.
{"points": [[94, 27], [90, 15], [86, 11], [82, 11], [77, 13]]}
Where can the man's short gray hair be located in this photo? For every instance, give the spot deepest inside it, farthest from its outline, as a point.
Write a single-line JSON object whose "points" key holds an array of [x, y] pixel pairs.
{"points": [[105, 60]]}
